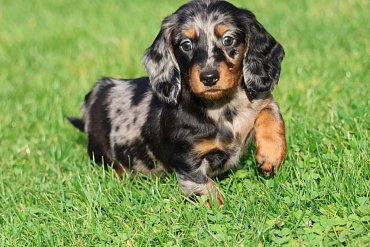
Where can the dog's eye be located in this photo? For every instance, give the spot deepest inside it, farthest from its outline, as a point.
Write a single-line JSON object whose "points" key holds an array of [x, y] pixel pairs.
{"points": [[228, 41], [186, 45]]}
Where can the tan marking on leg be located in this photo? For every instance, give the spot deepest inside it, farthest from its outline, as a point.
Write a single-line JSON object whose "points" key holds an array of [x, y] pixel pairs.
{"points": [[248, 125], [270, 139]]}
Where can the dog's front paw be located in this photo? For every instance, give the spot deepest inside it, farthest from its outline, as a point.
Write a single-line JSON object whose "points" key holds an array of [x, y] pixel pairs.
{"points": [[269, 155], [214, 193], [208, 189]]}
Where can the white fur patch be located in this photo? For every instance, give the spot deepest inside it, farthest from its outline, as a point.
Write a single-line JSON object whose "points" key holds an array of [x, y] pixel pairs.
{"points": [[127, 120]]}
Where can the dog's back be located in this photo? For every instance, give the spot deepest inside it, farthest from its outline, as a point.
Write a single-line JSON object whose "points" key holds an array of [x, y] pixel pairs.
{"points": [[114, 115]]}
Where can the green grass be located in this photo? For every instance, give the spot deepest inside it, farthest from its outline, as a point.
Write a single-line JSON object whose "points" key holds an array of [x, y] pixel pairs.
{"points": [[51, 52]]}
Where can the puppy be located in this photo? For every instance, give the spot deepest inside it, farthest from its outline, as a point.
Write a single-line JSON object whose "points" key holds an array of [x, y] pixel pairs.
{"points": [[211, 69]]}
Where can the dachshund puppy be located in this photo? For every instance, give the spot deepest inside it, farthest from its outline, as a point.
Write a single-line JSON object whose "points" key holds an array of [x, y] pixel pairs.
{"points": [[211, 69]]}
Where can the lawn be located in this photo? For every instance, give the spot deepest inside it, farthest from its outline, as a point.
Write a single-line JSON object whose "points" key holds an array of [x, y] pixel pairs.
{"points": [[51, 52]]}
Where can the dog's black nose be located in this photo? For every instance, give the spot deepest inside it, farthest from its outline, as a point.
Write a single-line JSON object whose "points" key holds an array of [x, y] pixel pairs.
{"points": [[209, 77]]}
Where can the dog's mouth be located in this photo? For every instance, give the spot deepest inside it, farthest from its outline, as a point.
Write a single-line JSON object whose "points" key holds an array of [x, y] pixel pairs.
{"points": [[214, 93], [217, 90], [213, 90]]}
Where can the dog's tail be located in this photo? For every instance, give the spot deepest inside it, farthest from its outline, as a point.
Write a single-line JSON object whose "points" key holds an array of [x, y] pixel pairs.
{"points": [[77, 122]]}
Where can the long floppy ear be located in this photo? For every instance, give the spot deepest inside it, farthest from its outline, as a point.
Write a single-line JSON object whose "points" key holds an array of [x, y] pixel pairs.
{"points": [[162, 67], [261, 65]]}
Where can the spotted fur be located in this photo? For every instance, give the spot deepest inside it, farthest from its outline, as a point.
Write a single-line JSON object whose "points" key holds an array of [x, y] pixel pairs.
{"points": [[211, 71]]}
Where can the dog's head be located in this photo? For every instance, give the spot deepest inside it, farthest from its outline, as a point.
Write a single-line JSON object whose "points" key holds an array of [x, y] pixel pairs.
{"points": [[211, 47]]}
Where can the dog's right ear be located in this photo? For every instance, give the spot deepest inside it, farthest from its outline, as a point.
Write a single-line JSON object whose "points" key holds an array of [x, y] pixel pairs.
{"points": [[162, 67]]}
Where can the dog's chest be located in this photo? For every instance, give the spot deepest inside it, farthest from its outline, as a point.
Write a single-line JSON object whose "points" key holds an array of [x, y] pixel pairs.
{"points": [[235, 120], [234, 124]]}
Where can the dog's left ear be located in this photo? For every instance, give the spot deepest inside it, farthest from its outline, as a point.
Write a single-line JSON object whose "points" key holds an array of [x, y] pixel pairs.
{"points": [[261, 65], [161, 64]]}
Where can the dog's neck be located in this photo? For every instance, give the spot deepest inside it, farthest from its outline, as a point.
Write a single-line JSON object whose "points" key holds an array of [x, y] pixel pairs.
{"points": [[227, 106]]}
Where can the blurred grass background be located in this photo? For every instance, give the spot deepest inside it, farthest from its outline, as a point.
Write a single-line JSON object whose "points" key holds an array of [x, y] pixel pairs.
{"points": [[51, 52]]}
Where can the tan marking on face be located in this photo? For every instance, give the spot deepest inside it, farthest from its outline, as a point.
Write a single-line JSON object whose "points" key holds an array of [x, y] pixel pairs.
{"points": [[225, 85], [230, 77], [205, 146], [196, 86], [221, 29], [270, 140], [191, 33]]}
